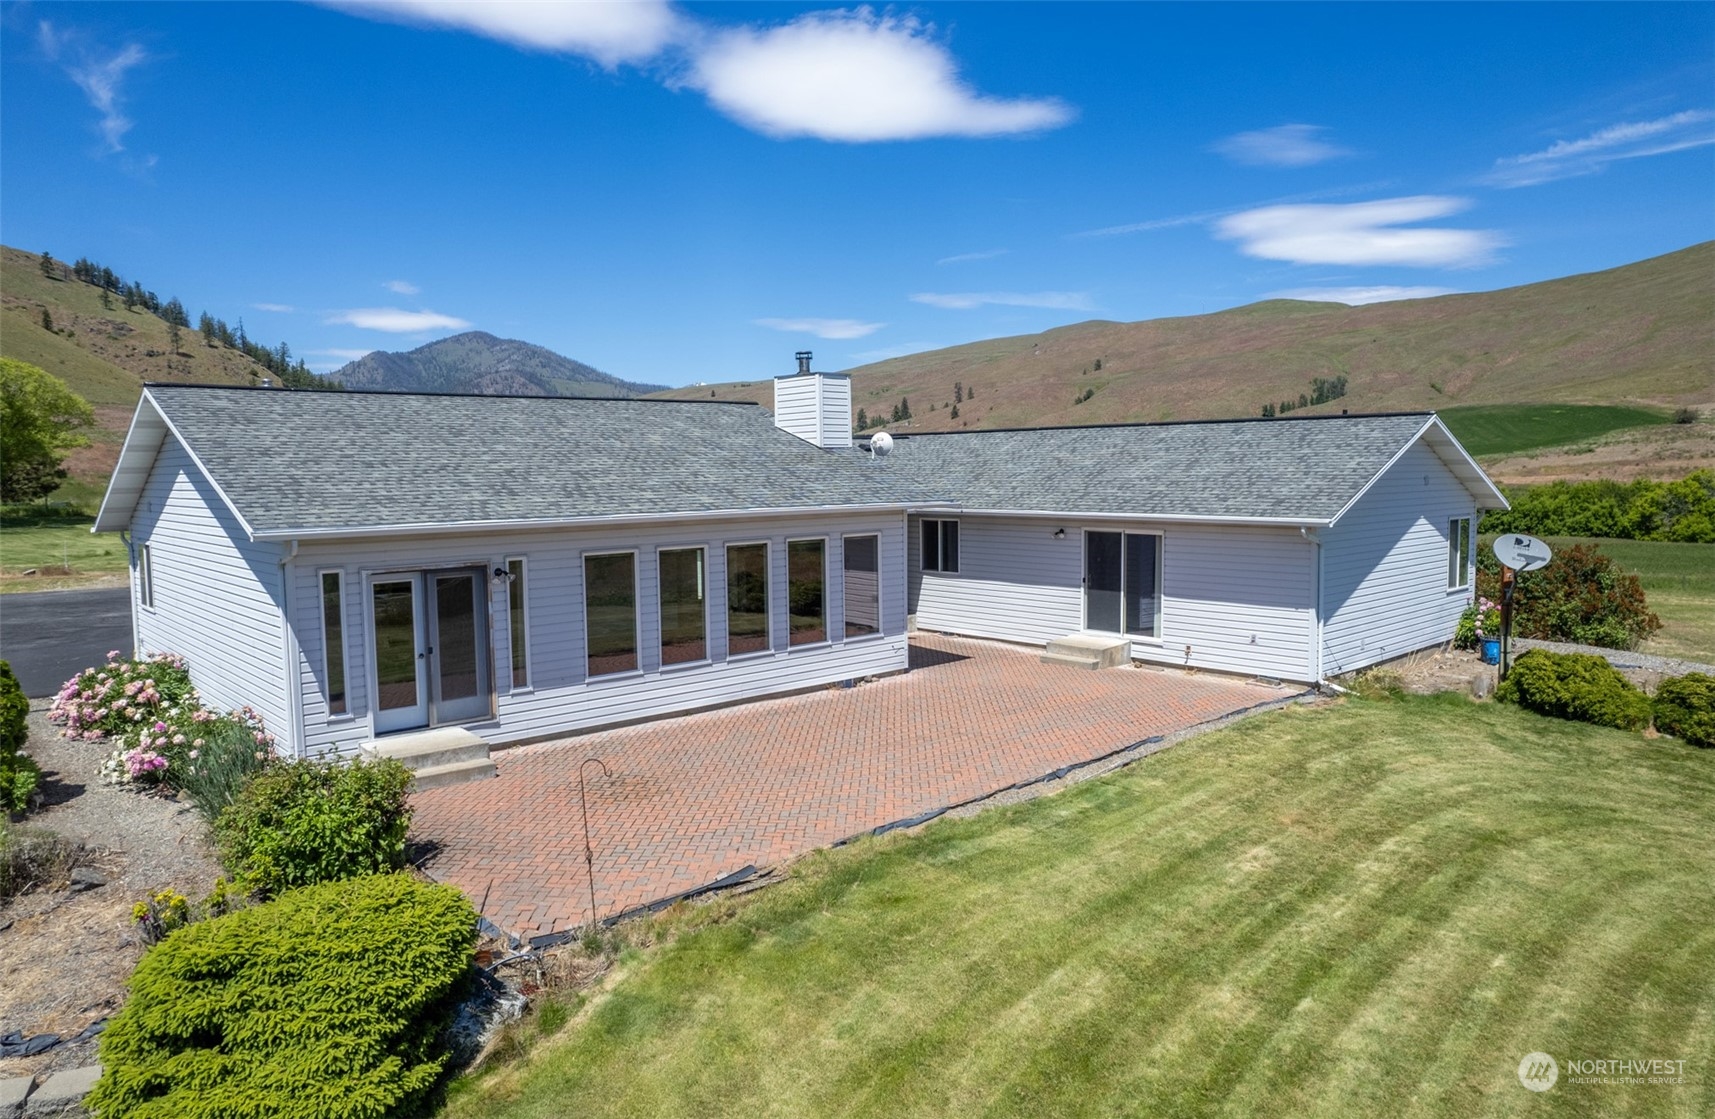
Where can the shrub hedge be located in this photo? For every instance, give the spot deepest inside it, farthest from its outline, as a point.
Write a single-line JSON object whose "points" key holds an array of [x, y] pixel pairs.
{"points": [[298, 823], [1685, 708], [1578, 686], [327, 1003], [18, 773], [1643, 510]]}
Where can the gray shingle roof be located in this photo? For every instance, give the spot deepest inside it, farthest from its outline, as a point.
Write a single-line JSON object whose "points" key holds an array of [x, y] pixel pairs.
{"points": [[1289, 469], [320, 461]]}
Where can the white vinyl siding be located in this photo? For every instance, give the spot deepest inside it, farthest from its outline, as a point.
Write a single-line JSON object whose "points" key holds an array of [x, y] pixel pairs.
{"points": [[1385, 586], [562, 698], [816, 407], [213, 595]]}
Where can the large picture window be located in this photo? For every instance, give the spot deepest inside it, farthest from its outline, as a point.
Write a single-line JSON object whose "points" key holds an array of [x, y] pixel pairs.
{"points": [[519, 622], [747, 599], [684, 606], [941, 546], [806, 576], [610, 612], [1459, 553], [333, 640], [862, 585]]}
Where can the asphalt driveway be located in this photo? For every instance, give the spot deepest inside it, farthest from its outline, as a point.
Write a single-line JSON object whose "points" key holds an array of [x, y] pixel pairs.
{"points": [[700, 797], [49, 636]]}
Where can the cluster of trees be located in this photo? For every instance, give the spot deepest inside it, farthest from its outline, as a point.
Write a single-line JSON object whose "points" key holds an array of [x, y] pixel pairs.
{"points": [[1322, 390], [215, 332], [901, 412], [1682, 511], [40, 420]]}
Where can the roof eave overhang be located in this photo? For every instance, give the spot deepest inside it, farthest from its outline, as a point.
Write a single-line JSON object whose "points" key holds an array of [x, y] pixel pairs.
{"points": [[526, 524], [149, 427], [1151, 518], [1451, 452]]}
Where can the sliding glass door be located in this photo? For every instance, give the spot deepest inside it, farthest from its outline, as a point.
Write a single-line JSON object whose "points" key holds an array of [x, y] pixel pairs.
{"points": [[1122, 583]]}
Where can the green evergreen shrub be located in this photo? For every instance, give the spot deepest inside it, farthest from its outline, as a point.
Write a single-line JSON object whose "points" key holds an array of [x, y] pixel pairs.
{"points": [[326, 1003], [1641, 510], [1685, 708], [1578, 686], [298, 823], [18, 772]]}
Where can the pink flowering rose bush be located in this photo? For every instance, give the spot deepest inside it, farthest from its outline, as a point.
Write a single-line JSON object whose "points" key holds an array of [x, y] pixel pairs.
{"points": [[107, 701]]}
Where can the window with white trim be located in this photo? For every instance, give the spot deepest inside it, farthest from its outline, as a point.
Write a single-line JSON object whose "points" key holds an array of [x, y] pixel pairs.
{"points": [[610, 612], [941, 546], [862, 585], [145, 576], [746, 599], [519, 622], [684, 605], [333, 640], [806, 585], [1458, 553]]}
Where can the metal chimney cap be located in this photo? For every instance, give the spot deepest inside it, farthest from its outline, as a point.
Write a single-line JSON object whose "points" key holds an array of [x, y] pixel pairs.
{"points": [[803, 357]]}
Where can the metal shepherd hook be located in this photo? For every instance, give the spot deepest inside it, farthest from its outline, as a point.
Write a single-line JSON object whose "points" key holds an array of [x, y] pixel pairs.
{"points": [[589, 852]]}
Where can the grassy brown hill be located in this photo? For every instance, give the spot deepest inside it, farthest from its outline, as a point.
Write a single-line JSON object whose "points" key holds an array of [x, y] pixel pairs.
{"points": [[104, 353], [1643, 333]]}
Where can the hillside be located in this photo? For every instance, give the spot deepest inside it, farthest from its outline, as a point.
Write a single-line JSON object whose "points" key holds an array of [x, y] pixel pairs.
{"points": [[476, 362], [104, 353], [1643, 333]]}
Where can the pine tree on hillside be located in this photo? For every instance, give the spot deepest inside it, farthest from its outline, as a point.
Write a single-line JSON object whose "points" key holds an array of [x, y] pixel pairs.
{"points": [[48, 268]]}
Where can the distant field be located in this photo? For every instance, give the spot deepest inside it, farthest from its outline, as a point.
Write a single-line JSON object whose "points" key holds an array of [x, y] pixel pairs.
{"points": [[1502, 429], [62, 551]]}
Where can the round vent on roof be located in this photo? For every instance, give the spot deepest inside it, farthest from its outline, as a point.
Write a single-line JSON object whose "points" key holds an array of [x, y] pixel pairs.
{"points": [[880, 444]]}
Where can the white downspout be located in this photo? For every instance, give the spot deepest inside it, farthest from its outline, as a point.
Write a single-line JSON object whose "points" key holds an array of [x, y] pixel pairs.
{"points": [[293, 695], [131, 582], [1316, 666]]}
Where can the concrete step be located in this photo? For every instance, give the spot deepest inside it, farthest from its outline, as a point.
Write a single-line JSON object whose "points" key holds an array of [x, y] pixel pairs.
{"points": [[423, 749], [1091, 663], [453, 773], [1109, 651]]}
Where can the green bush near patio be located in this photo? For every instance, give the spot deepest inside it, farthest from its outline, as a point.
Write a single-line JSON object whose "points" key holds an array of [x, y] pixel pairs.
{"points": [[1685, 708], [1359, 910], [18, 772], [1579, 686]]}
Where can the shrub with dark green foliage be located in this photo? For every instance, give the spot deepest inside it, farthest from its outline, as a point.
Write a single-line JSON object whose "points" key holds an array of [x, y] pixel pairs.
{"points": [[327, 1003], [18, 773], [1578, 686], [1579, 597], [1685, 708], [303, 822], [1642, 510]]}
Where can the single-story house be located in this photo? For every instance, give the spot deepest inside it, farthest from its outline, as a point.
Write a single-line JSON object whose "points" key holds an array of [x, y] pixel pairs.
{"points": [[358, 564]]}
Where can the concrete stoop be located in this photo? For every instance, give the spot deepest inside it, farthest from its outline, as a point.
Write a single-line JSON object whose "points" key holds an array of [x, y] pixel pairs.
{"points": [[443, 756], [60, 1093], [1088, 650]]}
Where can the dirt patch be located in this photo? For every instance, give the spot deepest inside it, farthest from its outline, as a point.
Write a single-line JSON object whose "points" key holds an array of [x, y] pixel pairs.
{"points": [[1664, 453], [65, 955]]}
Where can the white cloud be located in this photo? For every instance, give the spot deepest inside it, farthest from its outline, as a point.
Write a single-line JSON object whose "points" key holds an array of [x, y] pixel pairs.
{"points": [[1356, 296], [99, 78], [1362, 233], [402, 287], [968, 300], [1290, 145], [395, 321], [823, 328], [966, 258], [1566, 159], [855, 77], [342, 356], [608, 32], [277, 308]]}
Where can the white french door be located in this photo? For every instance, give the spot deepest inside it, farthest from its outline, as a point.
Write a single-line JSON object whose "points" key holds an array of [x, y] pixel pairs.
{"points": [[429, 641]]}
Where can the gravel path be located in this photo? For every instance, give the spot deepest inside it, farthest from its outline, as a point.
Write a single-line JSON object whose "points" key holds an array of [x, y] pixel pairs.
{"points": [[1619, 658], [64, 956]]}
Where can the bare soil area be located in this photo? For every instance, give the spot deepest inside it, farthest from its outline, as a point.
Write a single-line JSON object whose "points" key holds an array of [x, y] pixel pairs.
{"points": [[65, 955], [1663, 453]]}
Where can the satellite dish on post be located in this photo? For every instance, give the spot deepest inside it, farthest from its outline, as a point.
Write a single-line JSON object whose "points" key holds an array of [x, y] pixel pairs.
{"points": [[880, 444], [1521, 553]]}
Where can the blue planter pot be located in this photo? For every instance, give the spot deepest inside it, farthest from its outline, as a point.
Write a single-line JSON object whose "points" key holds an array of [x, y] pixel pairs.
{"points": [[1491, 650]]}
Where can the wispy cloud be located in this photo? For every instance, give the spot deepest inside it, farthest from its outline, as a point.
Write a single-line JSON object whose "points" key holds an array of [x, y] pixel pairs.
{"points": [[396, 321], [1289, 145], [402, 287], [342, 356], [277, 308], [1356, 296], [854, 76], [823, 328], [1203, 217], [1362, 233], [969, 300], [607, 32], [100, 76], [966, 258], [1567, 159]]}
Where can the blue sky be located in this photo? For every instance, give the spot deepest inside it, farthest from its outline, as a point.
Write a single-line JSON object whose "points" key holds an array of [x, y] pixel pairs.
{"points": [[691, 192]]}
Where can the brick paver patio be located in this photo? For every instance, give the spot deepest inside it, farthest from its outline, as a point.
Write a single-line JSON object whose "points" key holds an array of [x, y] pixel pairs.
{"points": [[695, 798]]}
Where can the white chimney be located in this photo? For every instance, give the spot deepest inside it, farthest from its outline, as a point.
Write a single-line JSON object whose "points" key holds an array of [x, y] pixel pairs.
{"points": [[816, 407]]}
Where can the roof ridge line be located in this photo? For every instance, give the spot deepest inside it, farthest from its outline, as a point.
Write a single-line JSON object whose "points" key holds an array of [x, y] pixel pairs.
{"points": [[439, 395], [1163, 423]]}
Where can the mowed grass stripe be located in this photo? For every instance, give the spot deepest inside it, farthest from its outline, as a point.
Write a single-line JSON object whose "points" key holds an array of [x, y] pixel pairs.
{"points": [[1369, 909]]}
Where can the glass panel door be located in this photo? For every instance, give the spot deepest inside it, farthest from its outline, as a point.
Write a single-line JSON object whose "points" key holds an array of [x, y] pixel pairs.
{"points": [[396, 615], [1142, 590], [459, 650], [1103, 580]]}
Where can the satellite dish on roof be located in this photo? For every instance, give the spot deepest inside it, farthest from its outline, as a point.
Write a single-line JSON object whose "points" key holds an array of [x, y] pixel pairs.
{"points": [[880, 444], [1521, 553]]}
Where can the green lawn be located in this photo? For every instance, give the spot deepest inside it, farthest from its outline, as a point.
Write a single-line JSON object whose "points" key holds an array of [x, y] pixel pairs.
{"points": [[1370, 909], [1501, 429], [42, 542], [1679, 581]]}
